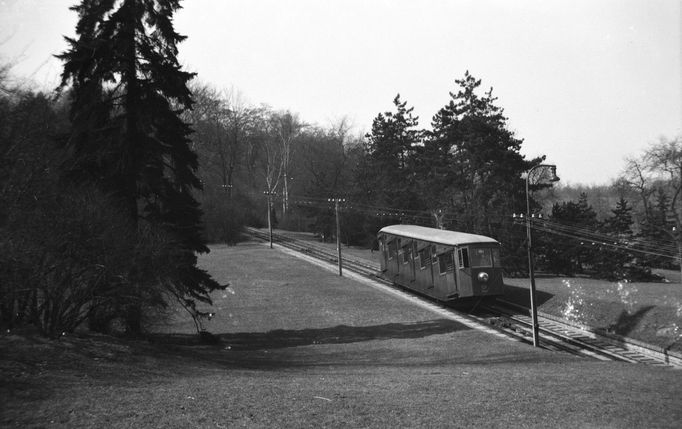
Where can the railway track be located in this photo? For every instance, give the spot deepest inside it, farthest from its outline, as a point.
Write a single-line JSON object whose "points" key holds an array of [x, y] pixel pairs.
{"points": [[504, 317]]}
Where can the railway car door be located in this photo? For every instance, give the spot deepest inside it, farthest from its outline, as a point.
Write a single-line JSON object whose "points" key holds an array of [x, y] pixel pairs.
{"points": [[392, 263], [406, 260], [464, 272], [446, 267], [383, 249], [425, 269], [444, 273]]}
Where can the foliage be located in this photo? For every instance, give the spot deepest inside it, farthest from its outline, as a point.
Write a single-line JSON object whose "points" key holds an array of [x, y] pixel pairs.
{"points": [[618, 263], [67, 252], [127, 135], [387, 171], [477, 159], [64, 257], [603, 249], [465, 173], [570, 256]]}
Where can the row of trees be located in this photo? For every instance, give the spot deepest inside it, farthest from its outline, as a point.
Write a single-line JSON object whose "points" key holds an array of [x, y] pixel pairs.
{"points": [[465, 173]]}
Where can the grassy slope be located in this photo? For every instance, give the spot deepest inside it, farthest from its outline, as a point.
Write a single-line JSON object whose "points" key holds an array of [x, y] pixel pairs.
{"points": [[648, 312], [302, 347]]}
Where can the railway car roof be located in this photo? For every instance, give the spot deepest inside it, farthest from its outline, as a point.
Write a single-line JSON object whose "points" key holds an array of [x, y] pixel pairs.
{"points": [[441, 236]]}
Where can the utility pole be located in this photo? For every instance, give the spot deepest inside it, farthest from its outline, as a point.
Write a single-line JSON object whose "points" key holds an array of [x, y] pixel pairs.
{"points": [[269, 195], [338, 231]]}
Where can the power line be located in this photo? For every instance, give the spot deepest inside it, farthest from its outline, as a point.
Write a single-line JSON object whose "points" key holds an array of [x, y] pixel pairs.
{"points": [[581, 233]]}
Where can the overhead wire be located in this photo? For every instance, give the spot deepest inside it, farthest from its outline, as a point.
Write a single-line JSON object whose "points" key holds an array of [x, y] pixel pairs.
{"points": [[581, 233], [587, 237]]}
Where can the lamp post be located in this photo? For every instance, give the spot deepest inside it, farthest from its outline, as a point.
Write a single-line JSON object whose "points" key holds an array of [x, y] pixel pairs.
{"points": [[531, 273]]}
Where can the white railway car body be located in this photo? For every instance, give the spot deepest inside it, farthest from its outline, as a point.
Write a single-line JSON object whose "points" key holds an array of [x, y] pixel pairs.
{"points": [[446, 265]]}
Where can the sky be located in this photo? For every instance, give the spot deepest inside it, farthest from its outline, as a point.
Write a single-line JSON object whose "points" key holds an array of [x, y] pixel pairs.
{"points": [[584, 82]]}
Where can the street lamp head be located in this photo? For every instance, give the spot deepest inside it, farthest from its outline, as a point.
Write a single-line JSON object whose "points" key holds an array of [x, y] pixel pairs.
{"points": [[545, 170]]}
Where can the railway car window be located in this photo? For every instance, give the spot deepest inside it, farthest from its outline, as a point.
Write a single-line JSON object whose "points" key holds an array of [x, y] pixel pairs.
{"points": [[424, 258], [407, 251], [481, 258], [496, 258], [463, 258], [445, 262], [392, 249]]}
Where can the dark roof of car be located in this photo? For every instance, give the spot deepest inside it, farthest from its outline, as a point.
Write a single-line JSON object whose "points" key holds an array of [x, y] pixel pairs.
{"points": [[440, 236]]}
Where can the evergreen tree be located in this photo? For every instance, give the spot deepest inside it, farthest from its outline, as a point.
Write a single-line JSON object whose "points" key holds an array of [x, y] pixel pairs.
{"points": [[387, 170], [615, 262], [571, 255], [128, 92], [620, 223], [472, 161]]}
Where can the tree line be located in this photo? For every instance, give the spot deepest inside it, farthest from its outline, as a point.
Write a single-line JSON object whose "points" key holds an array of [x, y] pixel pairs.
{"points": [[465, 173]]}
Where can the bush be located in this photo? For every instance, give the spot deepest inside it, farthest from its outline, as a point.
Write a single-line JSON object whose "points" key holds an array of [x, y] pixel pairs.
{"points": [[63, 255], [73, 256]]}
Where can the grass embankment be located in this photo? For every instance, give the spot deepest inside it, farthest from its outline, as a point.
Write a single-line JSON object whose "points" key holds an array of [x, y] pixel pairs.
{"points": [[647, 312], [303, 347]]}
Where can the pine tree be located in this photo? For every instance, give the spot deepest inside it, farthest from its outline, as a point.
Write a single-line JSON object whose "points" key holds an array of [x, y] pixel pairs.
{"points": [[128, 92], [620, 224], [389, 150], [571, 255], [611, 261], [477, 158]]}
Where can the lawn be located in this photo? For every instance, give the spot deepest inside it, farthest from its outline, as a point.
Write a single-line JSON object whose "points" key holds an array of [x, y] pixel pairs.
{"points": [[302, 347]]}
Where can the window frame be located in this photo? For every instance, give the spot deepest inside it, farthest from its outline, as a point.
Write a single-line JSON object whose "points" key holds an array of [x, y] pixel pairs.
{"points": [[392, 248], [446, 260], [463, 258]]}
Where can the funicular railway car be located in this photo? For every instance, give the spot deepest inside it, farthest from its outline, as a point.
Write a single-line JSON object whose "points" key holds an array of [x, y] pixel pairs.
{"points": [[445, 265]]}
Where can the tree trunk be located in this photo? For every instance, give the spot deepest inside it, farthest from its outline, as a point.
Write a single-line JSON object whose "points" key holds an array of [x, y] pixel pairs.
{"points": [[133, 316]]}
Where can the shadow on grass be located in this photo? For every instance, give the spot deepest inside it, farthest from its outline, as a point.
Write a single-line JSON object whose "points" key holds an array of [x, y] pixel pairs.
{"points": [[627, 322], [521, 295], [283, 338]]}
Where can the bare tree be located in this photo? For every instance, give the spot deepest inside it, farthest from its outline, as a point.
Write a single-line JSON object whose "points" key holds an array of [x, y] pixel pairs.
{"points": [[287, 126], [240, 126], [271, 155], [659, 170], [324, 159], [636, 177], [224, 127]]}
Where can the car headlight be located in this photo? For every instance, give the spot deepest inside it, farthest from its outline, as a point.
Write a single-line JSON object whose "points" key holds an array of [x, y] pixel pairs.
{"points": [[483, 277]]}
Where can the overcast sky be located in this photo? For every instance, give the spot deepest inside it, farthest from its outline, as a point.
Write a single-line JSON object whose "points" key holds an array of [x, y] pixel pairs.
{"points": [[585, 82]]}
